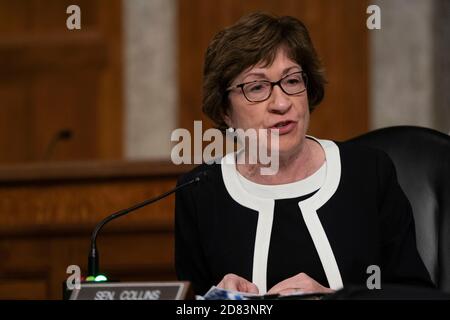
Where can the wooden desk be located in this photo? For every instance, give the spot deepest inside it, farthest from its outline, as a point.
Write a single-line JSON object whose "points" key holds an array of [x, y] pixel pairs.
{"points": [[48, 211]]}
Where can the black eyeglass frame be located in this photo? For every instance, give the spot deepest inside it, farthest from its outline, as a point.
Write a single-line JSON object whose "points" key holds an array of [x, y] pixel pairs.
{"points": [[272, 84]]}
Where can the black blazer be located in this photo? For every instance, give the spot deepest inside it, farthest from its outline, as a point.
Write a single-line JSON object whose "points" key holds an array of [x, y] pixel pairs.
{"points": [[358, 218]]}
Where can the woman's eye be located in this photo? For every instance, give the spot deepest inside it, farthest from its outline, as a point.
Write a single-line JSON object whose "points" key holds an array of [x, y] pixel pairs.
{"points": [[293, 81], [256, 87]]}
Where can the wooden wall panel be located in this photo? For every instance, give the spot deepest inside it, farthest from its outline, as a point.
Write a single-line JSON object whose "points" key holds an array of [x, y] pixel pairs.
{"points": [[48, 212], [52, 78], [15, 124], [338, 30]]}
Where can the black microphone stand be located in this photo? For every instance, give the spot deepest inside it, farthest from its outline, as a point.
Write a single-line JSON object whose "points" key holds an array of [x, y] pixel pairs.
{"points": [[93, 259]]}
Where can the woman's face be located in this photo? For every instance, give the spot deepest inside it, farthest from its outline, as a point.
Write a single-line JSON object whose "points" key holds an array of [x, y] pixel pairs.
{"points": [[288, 113]]}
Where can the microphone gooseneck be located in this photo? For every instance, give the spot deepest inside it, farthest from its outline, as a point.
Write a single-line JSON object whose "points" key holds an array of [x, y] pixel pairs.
{"points": [[64, 134], [93, 259]]}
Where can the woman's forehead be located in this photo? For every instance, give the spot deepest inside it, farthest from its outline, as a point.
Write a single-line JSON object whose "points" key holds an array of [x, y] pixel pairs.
{"points": [[267, 70], [281, 60]]}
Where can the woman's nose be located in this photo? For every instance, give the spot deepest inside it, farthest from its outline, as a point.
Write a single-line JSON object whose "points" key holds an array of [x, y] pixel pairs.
{"points": [[279, 101]]}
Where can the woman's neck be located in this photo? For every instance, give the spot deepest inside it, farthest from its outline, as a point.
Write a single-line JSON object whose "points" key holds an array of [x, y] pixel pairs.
{"points": [[294, 166]]}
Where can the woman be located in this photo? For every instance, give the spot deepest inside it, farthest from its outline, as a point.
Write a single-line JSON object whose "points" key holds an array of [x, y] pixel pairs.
{"points": [[330, 212]]}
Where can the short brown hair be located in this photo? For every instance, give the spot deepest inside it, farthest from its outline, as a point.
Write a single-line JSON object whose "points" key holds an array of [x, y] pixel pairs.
{"points": [[255, 38]]}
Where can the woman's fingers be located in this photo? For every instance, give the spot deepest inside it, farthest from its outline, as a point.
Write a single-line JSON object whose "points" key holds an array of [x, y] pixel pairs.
{"points": [[236, 283], [291, 291], [300, 283], [251, 287], [295, 282]]}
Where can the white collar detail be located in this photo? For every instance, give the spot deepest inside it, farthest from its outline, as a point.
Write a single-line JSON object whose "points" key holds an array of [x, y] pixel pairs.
{"points": [[265, 206], [286, 191]]}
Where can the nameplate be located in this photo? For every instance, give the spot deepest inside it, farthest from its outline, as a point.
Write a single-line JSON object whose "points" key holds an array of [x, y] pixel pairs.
{"points": [[132, 291]]}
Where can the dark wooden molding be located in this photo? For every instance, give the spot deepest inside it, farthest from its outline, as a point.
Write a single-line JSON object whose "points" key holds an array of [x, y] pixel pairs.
{"points": [[89, 170]]}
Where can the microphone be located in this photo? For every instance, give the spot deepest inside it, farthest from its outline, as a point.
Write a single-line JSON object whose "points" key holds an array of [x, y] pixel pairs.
{"points": [[93, 259], [64, 134]]}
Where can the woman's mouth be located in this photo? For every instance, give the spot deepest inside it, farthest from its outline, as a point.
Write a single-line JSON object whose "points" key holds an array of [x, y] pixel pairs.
{"points": [[284, 127]]}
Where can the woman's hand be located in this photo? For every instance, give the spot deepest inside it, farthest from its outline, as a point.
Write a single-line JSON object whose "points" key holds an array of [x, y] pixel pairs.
{"points": [[235, 283], [300, 283]]}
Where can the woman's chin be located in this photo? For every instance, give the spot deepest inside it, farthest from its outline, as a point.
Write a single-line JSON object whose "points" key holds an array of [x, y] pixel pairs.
{"points": [[286, 149]]}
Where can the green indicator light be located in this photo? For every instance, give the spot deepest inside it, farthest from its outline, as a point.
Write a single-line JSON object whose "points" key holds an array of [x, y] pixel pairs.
{"points": [[100, 278], [90, 278]]}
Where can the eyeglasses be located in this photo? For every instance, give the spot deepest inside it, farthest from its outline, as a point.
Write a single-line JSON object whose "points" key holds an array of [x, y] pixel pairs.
{"points": [[260, 90]]}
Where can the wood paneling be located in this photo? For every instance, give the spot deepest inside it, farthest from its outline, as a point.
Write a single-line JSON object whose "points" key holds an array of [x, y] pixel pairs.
{"points": [[338, 30], [52, 78], [48, 211]]}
